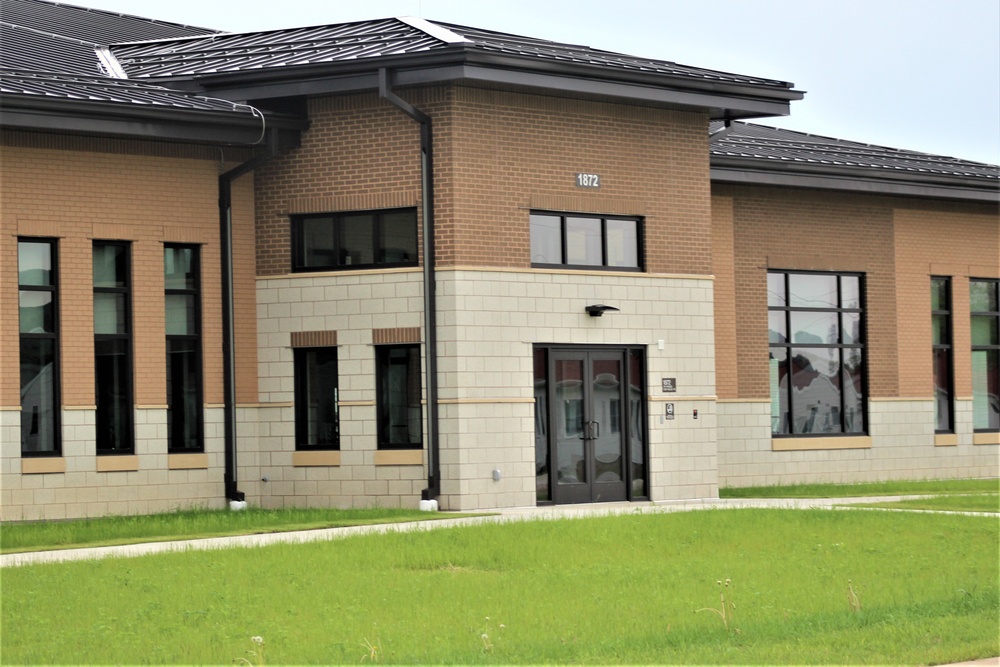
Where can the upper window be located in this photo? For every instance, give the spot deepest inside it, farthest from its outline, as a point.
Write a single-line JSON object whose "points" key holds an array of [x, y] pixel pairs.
{"points": [[38, 317], [941, 343], [356, 240], [400, 418], [817, 356], [984, 302], [582, 241], [113, 348], [182, 283], [317, 412]]}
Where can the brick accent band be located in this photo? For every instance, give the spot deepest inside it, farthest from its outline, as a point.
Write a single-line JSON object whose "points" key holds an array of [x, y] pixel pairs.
{"points": [[368, 201], [314, 339], [390, 336]]}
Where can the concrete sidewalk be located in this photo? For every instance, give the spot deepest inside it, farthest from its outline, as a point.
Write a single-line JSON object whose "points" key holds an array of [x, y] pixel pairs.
{"points": [[500, 515]]}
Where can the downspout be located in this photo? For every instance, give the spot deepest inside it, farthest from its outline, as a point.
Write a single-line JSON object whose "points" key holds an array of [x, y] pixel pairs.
{"points": [[430, 301], [228, 316]]}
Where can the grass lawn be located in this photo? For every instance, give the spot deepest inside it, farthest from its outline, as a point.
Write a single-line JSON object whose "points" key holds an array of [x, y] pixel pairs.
{"points": [[189, 524], [977, 502], [890, 488], [805, 587]]}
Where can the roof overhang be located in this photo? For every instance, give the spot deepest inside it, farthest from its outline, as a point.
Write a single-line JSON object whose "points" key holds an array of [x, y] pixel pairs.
{"points": [[123, 120], [723, 100], [746, 171]]}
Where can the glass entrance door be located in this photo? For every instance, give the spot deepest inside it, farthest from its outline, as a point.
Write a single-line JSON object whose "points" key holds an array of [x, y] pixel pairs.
{"points": [[587, 400]]}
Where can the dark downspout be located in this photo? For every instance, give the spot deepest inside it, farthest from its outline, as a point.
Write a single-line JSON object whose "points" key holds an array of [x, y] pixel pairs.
{"points": [[228, 317], [430, 301]]}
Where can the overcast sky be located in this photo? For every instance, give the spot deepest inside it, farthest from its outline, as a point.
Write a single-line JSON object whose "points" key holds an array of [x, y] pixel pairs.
{"points": [[916, 74]]}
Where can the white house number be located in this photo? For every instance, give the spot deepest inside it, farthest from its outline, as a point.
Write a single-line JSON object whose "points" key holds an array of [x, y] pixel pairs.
{"points": [[588, 180]]}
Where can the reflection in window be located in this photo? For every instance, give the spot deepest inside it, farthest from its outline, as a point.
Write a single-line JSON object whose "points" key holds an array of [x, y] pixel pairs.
{"points": [[113, 348], [816, 363], [317, 411], [369, 239], [984, 302], [585, 241], [400, 418], [39, 362], [183, 329]]}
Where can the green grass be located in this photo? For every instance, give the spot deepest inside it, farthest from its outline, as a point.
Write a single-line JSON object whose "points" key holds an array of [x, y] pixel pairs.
{"points": [[188, 524], [610, 590], [979, 502], [889, 488]]}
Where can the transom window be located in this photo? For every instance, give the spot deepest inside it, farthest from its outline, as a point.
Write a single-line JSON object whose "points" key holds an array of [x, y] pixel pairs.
{"points": [[984, 302], [817, 356], [585, 241], [354, 240]]}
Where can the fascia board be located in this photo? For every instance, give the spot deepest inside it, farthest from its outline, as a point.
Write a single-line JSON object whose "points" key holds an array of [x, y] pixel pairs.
{"points": [[963, 190]]}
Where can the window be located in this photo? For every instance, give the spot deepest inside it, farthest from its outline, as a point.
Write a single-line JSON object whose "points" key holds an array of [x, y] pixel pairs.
{"points": [[113, 348], [38, 321], [941, 341], [354, 240], [183, 324], [400, 419], [984, 303], [317, 413], [817, 357], [582, 241]]}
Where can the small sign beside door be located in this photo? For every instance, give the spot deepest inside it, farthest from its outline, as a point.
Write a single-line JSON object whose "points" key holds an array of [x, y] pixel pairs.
{"points": [[669, 385]]}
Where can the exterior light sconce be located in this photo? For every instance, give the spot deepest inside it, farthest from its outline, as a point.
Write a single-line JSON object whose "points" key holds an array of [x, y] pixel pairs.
{"points": [[599, 309]]}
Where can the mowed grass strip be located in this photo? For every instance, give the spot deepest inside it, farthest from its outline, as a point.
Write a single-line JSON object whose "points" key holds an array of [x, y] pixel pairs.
{"points": [[971, 502], [888, 488], [805, 587], [190, 524]]}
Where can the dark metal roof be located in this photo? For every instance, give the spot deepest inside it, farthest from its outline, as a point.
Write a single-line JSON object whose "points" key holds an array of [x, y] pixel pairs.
{"points": [[379, 38], [751, 153], [49, 36]]}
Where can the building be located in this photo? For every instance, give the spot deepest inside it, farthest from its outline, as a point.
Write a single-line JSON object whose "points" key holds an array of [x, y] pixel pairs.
{"points": [[215, 282]]}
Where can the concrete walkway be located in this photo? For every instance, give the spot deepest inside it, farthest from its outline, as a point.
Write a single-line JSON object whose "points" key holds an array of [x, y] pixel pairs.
{"points": [[500, 515]]}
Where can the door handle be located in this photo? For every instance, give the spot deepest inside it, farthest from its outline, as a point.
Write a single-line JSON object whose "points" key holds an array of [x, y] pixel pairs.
{"points": [[593, 430]]}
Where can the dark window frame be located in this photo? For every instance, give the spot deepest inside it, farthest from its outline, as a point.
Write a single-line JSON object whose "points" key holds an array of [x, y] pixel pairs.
{"points": [[944, 350], [788, 345], [994, 284], [603, 218], [51, 288], [383, 361], [128, 438], [378, 248], [301, 361], [196, 338]]}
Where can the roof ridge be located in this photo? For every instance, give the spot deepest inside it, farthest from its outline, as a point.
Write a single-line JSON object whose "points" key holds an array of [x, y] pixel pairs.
{"points": [[434, 30], [50, 34]]}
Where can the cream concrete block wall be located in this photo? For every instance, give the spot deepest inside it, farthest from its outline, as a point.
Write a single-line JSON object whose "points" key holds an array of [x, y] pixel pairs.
{"points": [[80, 489], [488, 322], [903, 447], [352, 304]]}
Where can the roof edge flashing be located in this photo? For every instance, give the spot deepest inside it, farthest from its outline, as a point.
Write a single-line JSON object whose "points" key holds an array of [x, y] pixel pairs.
{"points": [[109, 63], [434, 30]]}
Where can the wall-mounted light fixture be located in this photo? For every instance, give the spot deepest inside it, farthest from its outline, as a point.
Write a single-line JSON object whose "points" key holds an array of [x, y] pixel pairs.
{"points": [[599, 309]]}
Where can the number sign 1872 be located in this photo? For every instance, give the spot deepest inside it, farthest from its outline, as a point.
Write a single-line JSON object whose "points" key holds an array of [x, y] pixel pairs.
{"points": [[588, 180]]}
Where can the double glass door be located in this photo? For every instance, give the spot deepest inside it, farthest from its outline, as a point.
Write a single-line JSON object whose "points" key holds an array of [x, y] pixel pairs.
{"points": [[589, 448]]}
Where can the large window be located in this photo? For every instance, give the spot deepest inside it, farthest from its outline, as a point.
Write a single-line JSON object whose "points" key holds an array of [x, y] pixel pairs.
{"points": [[582, 241], [113, 348], [38, 319], [941, 341], [182, 285], [317, 415], [817, 356], [400, 420], [354, 240], [984, 302]]}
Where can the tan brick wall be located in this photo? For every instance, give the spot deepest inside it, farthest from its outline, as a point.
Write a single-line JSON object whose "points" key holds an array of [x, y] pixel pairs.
{"points": [[497, 155], [724, 268], [940, 239]]}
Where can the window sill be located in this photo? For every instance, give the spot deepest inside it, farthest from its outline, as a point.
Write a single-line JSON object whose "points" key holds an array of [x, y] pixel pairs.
{"points": [[117, 463], [945, 439], [304, 459], [399, 457], [801, 444], [986, 438], [40, 466], [187, 461]]}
